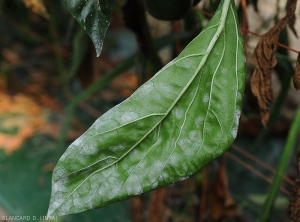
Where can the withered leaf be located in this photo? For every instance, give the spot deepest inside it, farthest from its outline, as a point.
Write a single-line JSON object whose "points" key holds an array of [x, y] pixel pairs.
{"points": [[296, 79], [294, 205], [38, 7], [221, 204], [292, 19], [264, 60]]}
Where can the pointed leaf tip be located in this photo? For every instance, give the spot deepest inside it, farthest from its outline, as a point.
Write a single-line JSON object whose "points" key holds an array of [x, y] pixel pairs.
{"points": [[94, 16], [171, 127]]}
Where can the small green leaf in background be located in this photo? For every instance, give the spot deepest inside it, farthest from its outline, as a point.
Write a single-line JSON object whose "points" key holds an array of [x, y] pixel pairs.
{"points": [[172, 126], [94, 16]]}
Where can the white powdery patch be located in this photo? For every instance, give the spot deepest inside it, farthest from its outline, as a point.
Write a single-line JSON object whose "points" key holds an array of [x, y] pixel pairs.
{"points": [[99, 124], [60, 172], [186, 146], [128, 117], [239, 96], [70, 150], [94, 183], [167, 88], [164, 176], [85, 187], [146, 88], [156, 96], [60, 185], [198, 121], [234, 132], [179, 113], [114, 187], [102, 192], [166, 66], [182, 178], [223, 70], [117, 148], [88, 149], [107, 172], [193, 135], [154, 185], [74, 166], [78, 202], [57, 200], [133, 185], [143, 164], [206, 98], [237, 115], [91, 205], [208, 84], [224, 82], [136, 154], [67, 205], [78, 141], [158, 165], [174, 159]]}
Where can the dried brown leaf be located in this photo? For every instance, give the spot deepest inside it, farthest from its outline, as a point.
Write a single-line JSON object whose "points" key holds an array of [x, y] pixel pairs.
{"points": [[294, 205], [221, 204], [264, 60], [296, 79], [22, 113], [38, 7], [157, 206], [136, 209], [292, 19]]}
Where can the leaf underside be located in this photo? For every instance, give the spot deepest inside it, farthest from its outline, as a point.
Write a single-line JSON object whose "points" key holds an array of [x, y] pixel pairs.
{"points": [[172, 126], [94, 16]]}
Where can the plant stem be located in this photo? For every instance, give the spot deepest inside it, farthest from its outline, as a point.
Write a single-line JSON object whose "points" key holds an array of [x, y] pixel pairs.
{"points": [[282, 167]]}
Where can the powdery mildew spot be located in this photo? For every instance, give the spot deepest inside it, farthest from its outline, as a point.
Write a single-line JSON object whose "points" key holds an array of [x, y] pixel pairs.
{"points": [[147, 88], [60, 185], [237, 115], [206, 98], [157, 165], [67, 205], [193, 135], [208, 84], [77, 200], [133, 185], [117, 148], [174, 159], [182, 178], [88, 149], [239, 96], [60, 172], [234, 132], [224, 82], [128, 117], [223, 70], [198, 121], [179, 113], [166, 88], [164, 175], [78, 141], [154, 185]]}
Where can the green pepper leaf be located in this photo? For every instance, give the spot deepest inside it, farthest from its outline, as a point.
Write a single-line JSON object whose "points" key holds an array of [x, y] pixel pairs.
{"points": [[172, 126], [94, 16]]}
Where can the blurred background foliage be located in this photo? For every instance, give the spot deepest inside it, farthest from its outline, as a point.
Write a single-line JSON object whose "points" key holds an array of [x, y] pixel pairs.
{"points": [[53, 87]]}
